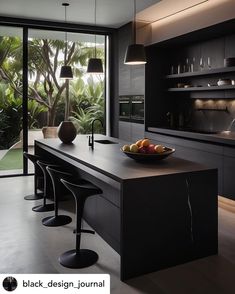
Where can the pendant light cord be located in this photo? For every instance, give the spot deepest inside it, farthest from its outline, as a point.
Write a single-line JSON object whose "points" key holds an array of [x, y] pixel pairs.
{"points": [[66, 37], [134, 22], [95, 27]]}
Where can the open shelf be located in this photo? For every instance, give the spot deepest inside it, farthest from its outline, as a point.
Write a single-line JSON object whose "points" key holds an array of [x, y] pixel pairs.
{"points": [[194, 89], [202, 73]]}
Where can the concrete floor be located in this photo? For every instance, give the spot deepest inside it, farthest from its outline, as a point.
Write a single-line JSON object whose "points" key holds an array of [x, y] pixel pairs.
{"points": [[26, 246]]}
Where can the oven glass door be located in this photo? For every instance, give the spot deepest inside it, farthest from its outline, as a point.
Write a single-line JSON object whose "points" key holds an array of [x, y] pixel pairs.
{"points": [[124, 109], [137, 109]]}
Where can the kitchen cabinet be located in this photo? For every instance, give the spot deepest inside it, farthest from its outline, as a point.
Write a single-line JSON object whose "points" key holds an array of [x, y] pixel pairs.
{"points": [[229, 172], [131, 132], [131, 78], [212, 155]]}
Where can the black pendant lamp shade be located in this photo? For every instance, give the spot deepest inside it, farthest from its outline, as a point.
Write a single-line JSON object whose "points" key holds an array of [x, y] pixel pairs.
{"points": [[95, 64], [66, 70], [135, 53]]}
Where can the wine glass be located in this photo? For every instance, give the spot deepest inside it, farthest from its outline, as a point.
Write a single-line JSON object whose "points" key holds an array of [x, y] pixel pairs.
{"points": [[187, 65], [209, 62], [192, 65], [201, 63]]}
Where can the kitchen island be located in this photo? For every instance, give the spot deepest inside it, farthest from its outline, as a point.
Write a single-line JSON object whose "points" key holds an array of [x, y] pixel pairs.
{"points": [[155, 215]]}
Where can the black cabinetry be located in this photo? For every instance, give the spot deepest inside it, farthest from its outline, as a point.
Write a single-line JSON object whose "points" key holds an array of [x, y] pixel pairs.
{"points": [[131, 77], [182, 77], [212, 155], [130, 132], [131, 84]]}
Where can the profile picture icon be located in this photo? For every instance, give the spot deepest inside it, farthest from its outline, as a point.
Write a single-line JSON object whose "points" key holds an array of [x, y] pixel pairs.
{"points": [[9, 284]]}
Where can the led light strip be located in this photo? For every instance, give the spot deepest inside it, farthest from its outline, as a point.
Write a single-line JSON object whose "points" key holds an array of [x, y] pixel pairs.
{"points": [[169, 15]]}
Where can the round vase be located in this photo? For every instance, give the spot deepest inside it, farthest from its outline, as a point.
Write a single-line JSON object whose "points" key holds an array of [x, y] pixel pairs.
{"points": [[66, 132]]}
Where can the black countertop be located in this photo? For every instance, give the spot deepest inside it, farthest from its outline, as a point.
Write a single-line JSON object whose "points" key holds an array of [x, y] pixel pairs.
{"points": [[109, 160], [221, 138]]}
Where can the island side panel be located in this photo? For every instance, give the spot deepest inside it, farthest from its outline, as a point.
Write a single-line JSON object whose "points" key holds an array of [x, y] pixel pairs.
{"points": [[168, 220]]}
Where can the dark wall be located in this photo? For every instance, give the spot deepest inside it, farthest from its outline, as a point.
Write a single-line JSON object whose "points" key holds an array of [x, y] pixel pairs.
{"points": [[205, 110]]}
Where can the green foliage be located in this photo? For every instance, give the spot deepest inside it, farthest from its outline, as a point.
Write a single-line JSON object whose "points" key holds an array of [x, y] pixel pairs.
{"points": [[46, 91], [34, 109], [88, 104], [11, 124]]}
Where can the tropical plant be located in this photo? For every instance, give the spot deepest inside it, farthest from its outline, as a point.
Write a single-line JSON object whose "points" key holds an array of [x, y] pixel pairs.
{"points": [[11, 113], [87, 104], [44, 63], [34, 110]]}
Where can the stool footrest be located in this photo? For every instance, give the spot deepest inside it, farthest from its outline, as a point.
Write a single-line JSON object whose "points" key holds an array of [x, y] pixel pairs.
{"points": [[83, 231]]}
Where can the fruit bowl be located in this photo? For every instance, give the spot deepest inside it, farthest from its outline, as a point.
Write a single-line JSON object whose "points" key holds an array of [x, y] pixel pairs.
{"points": [[149, 156]]}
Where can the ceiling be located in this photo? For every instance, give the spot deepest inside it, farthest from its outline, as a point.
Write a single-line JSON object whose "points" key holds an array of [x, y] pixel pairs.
{"points": [[110, 13]]}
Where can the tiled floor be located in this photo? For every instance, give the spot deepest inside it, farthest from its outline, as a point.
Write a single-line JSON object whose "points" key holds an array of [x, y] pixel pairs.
{"points": [[26, 246]]}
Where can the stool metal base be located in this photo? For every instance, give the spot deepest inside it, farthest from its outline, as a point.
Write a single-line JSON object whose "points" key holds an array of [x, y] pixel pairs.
{"points": [[34, 196], [43, 208], [56, 221], [83, 258]]}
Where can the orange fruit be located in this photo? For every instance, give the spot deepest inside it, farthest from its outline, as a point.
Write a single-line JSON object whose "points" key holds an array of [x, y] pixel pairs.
{"points": [[139, 143], [145, 143]]}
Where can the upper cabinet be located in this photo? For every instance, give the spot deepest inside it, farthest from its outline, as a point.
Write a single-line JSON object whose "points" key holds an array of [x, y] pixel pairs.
{"points": [[131, 77]]}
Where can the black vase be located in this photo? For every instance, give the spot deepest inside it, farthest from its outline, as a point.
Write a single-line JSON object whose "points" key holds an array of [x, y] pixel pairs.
{"points": [[66, 132]]}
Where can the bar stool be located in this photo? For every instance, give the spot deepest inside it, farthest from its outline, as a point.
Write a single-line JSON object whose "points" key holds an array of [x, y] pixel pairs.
{"points": [[56, 175], [79, 258], [45, 206], [36, 195]]}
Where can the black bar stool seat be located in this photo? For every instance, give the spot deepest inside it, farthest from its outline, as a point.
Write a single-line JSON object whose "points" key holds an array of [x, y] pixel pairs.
{"points": [[47, 181], [80, 258], [36, 195], [57, 220]]}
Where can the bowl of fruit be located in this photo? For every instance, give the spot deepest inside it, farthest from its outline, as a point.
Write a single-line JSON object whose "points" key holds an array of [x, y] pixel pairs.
{"points": [[144, 150]]}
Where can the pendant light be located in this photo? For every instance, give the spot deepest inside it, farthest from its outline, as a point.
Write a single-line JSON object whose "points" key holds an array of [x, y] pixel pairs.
{"points": [[135, 53], [66, 70], [95, 64]]}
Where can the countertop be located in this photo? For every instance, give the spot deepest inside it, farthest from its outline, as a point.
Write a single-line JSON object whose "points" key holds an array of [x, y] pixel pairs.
{"points": [[109, 160], [222, 138]]}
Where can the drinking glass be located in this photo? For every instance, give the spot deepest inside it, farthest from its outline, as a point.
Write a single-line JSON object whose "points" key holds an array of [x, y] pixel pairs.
{"points": [[209, 62], [187, 65], [192, 65], [201, 63]]}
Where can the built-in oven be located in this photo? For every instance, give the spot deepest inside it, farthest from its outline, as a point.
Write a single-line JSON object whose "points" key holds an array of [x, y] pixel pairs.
{"points": [[125, 108], [131, 108], [137, 108]]}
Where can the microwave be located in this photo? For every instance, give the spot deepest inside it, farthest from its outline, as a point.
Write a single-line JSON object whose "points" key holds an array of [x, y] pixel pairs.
{"points": [[131, 108]]}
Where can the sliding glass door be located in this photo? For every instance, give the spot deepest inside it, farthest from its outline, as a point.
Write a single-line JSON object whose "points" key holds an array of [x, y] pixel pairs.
{"points": [[11, 93], [47, 92]]}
